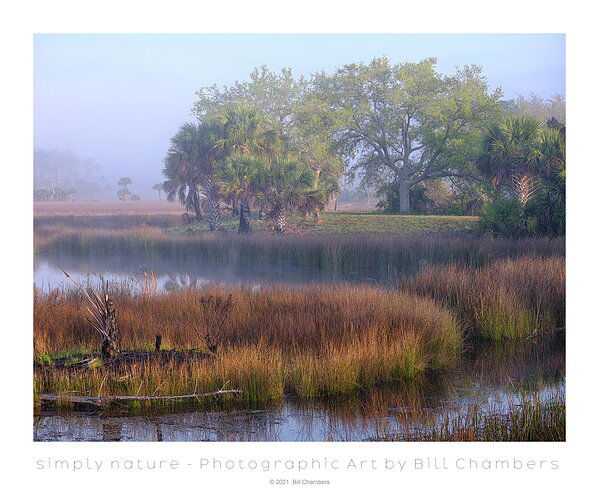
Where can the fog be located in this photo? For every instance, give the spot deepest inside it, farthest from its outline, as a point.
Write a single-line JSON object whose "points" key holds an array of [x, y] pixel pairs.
{"points": [[116, 100]]}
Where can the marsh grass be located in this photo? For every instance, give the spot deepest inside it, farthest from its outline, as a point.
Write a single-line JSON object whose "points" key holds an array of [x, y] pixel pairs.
{"points": [[310, 342], [511, 298], [391, 254], [529, 418]]}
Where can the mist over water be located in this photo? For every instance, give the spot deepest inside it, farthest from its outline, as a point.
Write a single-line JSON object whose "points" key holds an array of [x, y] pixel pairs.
{"points": [[172, 274]]}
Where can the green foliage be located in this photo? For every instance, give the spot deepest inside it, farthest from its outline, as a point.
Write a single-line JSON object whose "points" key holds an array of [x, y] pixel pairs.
{"points": [[44, 359], [286, 180], [190, 163], [237, 175], [512, 153], [403, 124], [427, 142], [529, 162], [435, 197], [258, 153], [548, 205], [506, 217], [294, 128]]}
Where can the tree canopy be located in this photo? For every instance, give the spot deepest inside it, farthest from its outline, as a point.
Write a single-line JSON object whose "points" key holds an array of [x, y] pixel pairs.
{"points": [[421, 139], [402, 124]]}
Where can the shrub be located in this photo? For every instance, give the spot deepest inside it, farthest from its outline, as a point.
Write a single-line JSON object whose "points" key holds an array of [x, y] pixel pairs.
{"points": [[506, 217]]}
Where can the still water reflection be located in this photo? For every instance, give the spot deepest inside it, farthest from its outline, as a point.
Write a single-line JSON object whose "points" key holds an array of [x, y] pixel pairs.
{"points": [[175, 274]]}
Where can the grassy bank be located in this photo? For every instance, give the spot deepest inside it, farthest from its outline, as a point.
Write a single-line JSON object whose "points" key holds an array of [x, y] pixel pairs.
{"points": [[376, 222], [362, 222], [123, 215], [309, 342]]}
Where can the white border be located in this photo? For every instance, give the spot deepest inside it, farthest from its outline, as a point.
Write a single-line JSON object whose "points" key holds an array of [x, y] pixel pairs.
{"points": [[21, 20]]}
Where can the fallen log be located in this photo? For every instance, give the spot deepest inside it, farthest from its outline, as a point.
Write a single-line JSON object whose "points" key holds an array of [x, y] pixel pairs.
{"points": [[104, 400]]}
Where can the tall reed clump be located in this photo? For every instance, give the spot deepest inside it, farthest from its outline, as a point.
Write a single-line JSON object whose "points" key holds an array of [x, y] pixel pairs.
{"points": [[512, 298], [389, 254], [314, 341]]}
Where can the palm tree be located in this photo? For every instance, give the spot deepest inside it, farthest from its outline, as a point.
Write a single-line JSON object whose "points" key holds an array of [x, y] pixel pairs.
{"points": [[283, 184], [322, 192], [552, 149], [124, 194], [548, 204], [159, 188], [511, 154], [328, 168], [211, 156], [247, 140], [190, 165], [237, 178], [245, 130], [181, 168]]}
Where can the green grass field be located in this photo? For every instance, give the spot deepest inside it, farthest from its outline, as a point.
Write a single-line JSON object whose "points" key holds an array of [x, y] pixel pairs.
{"points": [[356, 223]]}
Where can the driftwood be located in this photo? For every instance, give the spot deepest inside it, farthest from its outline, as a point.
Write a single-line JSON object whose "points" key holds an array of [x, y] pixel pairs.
{"points": [[103, 317], [101, 401]]}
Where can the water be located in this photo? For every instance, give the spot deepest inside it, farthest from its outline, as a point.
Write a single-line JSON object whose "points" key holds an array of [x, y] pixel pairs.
{"points": [[173, 274], [489, 376]]}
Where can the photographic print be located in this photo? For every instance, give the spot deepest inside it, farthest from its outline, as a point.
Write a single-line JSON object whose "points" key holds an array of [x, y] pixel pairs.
{"points": [[299, 237]]}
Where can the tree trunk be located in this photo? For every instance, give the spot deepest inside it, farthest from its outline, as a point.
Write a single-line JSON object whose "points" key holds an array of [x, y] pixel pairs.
{"points": [[212, 204], [235, 207], [110, 346], [523, 187], [212, 213], [404, 197], [245, 225], [317, 218], [280, 218], [196, 206]]}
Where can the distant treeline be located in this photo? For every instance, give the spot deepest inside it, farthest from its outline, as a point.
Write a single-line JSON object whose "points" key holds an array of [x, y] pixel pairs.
{"points": [[60, 175]]}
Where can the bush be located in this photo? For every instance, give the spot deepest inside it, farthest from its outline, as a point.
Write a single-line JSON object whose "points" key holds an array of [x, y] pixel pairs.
{"points": [[506, 217]]}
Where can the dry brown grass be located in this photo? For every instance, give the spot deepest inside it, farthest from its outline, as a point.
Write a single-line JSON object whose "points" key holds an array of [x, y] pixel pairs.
{"points": [[312, 341], [512, 298]]}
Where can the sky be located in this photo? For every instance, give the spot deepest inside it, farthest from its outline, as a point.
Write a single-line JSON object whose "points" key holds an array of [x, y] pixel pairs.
{"points": [[119, 98]]}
